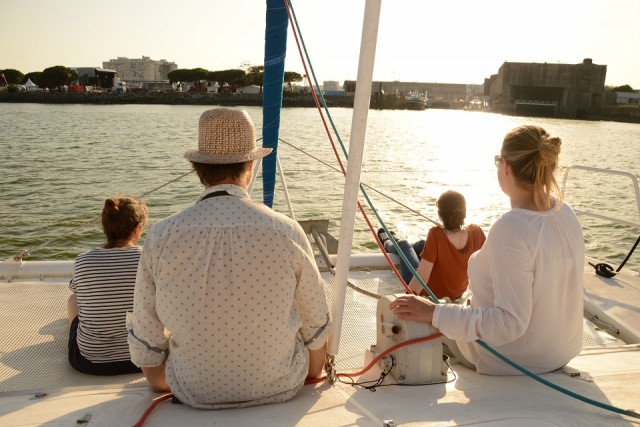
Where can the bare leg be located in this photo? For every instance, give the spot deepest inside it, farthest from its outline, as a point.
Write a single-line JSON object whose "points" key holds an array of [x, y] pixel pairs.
{"points": [[72, 307], [316, 361]]}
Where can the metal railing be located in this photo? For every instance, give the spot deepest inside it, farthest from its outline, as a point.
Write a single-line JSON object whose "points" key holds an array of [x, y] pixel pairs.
{"points": [[632, 177]]}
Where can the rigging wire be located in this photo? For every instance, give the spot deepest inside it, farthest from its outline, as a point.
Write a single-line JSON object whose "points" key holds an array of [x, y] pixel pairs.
{"points": [[412, 210], [166, 183], [296, 31], [28, 252], [300, 42], [480, 342]]}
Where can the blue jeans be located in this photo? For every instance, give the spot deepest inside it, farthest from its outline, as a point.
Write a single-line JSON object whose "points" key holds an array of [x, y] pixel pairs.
{"points": [[411, 252]]}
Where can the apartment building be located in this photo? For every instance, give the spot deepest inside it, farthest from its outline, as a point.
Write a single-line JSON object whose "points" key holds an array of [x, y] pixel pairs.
{"points": [[139, 70]]}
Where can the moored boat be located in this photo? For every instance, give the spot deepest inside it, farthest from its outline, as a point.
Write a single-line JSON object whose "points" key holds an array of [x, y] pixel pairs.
{"points": [[415, 100]]}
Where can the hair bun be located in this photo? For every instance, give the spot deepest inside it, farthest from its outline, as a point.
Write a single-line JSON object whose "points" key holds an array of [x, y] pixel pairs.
{"points": [[549, 149], [111, 206]]}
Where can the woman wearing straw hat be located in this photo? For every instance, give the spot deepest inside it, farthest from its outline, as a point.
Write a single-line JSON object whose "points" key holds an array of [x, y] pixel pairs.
{"points": [[235, 283]]}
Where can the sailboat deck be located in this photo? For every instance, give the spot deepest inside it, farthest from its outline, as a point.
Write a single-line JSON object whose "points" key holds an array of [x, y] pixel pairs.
{"points": [[615, 300], [38, 387], [36, 329]]}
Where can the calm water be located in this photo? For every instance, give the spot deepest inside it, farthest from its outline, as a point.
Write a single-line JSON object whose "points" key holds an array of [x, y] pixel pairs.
{"points": [[61, 161]]}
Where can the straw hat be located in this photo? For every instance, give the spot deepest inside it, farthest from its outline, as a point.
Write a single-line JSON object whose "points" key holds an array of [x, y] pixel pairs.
{"points": [[226, 136]]}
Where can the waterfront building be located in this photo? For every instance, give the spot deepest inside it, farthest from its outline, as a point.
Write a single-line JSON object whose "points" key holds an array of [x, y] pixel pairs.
{"points": [[97, 77], [627, 98], [332, 88], [439, 95], [139, 70], [565, 90]]}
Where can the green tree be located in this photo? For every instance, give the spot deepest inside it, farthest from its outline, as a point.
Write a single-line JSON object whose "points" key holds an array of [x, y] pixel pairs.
{"points": [[34, 76], [623, 88], [57, 76], [179, 75], [199, 74], [188, 75], [13, 77], [232, 76], [255, 76], [290, 77]]}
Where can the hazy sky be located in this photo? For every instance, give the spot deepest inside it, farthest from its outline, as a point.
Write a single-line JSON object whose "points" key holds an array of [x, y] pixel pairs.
{"points": [[450, 41]]}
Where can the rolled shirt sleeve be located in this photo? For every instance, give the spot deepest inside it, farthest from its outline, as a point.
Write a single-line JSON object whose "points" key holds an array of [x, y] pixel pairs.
{"points": [[311, 300], [148, 343]]}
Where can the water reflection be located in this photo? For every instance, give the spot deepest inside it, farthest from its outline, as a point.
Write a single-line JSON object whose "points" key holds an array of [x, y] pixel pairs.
{"points": [[62, 161]]}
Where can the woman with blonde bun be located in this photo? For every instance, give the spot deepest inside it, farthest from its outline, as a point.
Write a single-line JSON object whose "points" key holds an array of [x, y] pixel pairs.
{"points": [[527, 280]]}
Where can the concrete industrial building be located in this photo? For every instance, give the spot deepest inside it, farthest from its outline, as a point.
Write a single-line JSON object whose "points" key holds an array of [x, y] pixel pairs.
{"points": [[562, 90], [138, 71]]}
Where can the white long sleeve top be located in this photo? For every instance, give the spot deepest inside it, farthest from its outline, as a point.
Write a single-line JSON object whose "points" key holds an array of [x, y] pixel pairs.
{"points": [[527, 284]]}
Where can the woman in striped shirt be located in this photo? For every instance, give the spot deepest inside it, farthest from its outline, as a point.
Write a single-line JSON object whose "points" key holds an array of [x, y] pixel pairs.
{"points": [[102, 285]]}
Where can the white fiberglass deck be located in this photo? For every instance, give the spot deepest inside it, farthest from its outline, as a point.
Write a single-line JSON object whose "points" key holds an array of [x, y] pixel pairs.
{"points": [[33, 361]]}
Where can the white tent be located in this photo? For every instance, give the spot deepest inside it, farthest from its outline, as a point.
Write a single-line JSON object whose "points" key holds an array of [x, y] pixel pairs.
{"points": [[31, 86]]}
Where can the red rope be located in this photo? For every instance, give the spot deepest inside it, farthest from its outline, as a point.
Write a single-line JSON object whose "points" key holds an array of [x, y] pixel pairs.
{"points": [[378, 357], [335, 150], [391, 350], [151, 407], [375, 360]]}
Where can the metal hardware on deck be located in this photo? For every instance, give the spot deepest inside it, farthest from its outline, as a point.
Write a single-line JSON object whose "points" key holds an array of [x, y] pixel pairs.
{"points": [[388, 423], [320, 227], [83, 420], [38, 396], [603, 326], [320, 243], [21, 256], [330, 368]]}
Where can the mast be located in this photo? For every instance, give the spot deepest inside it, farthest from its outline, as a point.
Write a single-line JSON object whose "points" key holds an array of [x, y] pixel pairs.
{"points": [[354, 167], [275, 47]]}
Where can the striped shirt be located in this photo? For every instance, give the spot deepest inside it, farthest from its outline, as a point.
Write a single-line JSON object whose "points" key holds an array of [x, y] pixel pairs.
{"points": [[103, 281]]}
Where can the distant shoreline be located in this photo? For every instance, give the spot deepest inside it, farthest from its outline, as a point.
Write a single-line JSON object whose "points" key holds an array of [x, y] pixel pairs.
{"points": [[614, 114], [166, 98]]}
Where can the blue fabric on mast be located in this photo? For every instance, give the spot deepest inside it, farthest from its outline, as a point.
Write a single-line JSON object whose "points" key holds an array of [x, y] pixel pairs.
{"points": [[275, 47]]}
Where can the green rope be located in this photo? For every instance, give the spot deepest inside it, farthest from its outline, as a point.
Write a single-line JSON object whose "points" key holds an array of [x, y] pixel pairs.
{"points": [[556, 387], [426, 288]]}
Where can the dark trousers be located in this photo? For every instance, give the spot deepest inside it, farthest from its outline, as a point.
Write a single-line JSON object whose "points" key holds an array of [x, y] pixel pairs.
{"points": [[82, 364]]}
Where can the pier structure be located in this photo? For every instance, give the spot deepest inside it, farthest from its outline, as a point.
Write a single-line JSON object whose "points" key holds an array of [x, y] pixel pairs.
{"points": [[544, 89]]}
